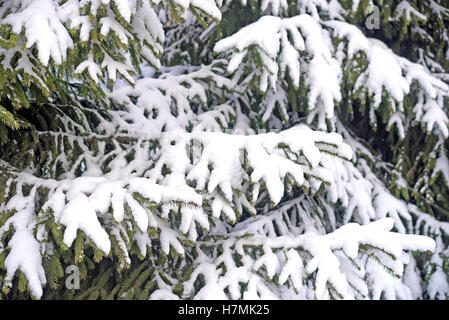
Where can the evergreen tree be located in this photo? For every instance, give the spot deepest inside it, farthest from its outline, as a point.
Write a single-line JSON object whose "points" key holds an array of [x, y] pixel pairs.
{"points": [[207, 149]]}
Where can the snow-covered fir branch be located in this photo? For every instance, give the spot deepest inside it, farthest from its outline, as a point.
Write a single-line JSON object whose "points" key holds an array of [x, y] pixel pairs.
{"points": [[224, 149]]}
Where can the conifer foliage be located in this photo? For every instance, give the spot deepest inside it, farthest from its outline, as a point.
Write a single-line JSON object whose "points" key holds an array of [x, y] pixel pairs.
{"points": [[224, 149]]}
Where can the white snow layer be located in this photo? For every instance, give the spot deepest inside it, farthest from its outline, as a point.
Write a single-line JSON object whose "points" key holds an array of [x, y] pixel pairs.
{"points": [[302, 45]]}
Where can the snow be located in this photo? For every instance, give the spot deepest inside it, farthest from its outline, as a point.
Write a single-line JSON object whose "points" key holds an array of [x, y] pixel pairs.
{"points": [[49, 18], [442, 162], [269, 260], [113, 67], [92, 68], [270, 35], [276, 6], [38, 18], [163, 294], [139, 213], [79, 214], [384, 71], [387, 72], [169, 239], [406, 10], [25, 251], [110, 24], [24, 256], [124, 8], [207, 179], [438, 285], [293, 269], [208, 6], [78, 203], [280, 44], [264, 34], [385, 204], [330, 266]]}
